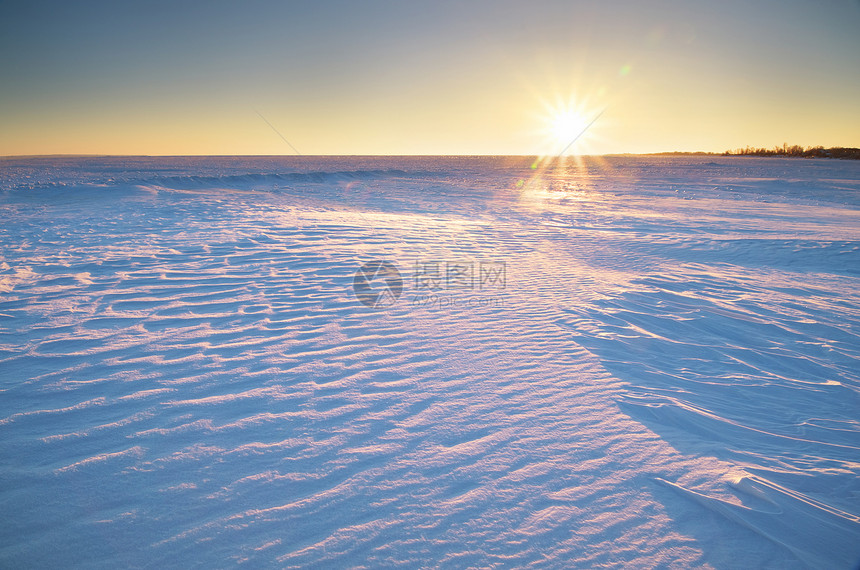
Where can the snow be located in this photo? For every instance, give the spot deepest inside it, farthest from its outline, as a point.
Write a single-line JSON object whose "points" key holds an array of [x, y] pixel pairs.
{"points": [[667, 377]]}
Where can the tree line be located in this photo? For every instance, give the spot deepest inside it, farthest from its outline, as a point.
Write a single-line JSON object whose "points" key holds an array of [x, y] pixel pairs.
{"points": [[799, 151]]}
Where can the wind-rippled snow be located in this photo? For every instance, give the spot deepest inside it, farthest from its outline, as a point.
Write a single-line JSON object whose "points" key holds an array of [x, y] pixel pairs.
{"points": [[668, 378]]}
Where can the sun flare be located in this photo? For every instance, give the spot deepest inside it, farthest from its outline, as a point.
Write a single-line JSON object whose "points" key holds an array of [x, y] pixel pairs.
{"points": [[567, 126]]}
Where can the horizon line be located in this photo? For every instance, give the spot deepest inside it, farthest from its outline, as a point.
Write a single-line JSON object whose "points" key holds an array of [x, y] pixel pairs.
{"points": [[306, 156]]}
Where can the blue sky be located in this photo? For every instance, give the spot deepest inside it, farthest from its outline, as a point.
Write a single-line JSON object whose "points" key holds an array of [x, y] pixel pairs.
{"points": [[425, 78]]}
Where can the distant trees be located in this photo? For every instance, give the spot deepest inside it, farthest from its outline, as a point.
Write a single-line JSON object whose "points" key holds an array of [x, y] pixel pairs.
{"points": [[798, 151]]}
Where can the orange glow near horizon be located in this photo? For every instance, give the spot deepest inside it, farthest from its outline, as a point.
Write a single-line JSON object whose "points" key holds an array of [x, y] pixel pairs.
{"points": [[411, 79]]}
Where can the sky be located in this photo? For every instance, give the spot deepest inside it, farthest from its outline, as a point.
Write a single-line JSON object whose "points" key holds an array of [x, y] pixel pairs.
{"points": [[432, 77]]}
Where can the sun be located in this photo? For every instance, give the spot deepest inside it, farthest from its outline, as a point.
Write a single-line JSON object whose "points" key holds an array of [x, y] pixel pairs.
{"points": [[567, 126]]}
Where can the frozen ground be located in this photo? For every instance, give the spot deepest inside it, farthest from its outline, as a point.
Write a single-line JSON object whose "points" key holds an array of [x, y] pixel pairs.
{"points": [[669, 376]]}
